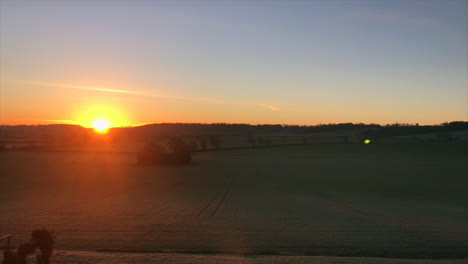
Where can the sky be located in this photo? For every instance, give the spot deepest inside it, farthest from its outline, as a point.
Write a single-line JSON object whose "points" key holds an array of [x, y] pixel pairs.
{"points": [[258, 62]]}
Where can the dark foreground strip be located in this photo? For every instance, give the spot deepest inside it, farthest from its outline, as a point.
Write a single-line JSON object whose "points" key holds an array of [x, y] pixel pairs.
{"points": [[202, 252], [419, 255]]}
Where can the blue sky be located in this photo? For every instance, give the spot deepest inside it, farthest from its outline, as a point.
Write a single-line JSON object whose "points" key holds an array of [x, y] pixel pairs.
{"points": [[294, 62]]}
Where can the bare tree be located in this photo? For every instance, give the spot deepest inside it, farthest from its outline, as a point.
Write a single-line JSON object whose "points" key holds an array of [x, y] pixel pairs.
{"points": [[215, 141], [203, 140], [251, 140]]}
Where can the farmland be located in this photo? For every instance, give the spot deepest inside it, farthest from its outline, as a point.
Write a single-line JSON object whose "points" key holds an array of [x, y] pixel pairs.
{"points": [[378, 200]]}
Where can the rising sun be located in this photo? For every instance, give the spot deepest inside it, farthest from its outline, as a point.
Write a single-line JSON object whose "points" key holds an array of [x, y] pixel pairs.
{"points": [[101, 125]]}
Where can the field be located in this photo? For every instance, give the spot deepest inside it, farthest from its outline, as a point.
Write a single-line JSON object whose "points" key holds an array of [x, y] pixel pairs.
{"points": [[377, 200]]}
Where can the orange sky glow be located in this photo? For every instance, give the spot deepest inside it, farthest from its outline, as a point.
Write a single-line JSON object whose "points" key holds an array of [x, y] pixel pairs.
{"points": [[134, 64], [84, 104]]}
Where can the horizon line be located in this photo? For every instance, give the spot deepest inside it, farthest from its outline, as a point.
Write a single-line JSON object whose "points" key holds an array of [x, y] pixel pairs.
{"points": [[249, 124]]}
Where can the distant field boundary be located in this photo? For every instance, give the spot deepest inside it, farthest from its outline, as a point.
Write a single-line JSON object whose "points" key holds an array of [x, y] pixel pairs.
{"points": [[48, 149], [69, 151], [45, 149], [267, 146]]}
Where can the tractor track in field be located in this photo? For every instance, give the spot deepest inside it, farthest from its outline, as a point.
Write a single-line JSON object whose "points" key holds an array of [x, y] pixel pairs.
{"points": [[171, 202], [381, 217], [216, 200], [340, 203], [177, 185], [372, 215], [199, 212], [223, 197]]}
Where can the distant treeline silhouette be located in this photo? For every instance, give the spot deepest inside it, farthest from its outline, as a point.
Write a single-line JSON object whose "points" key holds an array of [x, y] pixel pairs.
{"points": [[58, 132], [394, 130], [182, 129]]}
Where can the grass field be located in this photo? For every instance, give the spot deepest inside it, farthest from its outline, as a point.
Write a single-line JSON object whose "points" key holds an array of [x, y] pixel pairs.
{"points": [[377, 200]]}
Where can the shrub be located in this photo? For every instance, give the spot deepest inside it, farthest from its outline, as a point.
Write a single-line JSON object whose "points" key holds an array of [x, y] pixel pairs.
{"points": [[203, 140], [215, 141], [178, 152], [251, 140], [41, 239]]}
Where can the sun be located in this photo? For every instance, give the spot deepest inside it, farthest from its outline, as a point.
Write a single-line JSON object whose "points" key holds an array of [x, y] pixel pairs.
{"points": [[101, 125]]}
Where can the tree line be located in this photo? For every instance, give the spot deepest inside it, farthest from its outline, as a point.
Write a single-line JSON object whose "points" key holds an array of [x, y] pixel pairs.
{"points": [[67, 132]]}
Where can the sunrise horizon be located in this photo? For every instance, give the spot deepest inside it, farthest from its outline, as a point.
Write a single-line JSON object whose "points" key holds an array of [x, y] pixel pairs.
{"points": [[110, 126], [362, 61], [233, 131]]}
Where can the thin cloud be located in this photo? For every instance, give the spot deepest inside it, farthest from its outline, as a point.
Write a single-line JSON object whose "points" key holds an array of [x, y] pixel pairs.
{"points": [[129, 92], [69, 86], [136, 93], [271, 107], [58, 121]]}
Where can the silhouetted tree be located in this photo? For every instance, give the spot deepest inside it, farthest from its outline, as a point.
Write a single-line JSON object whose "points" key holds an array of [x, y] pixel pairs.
{"points": [[178, 152], [192, 144], [251, 140], [44, 239], [215, 141], [181, 152], [203, 140], [152, 153]]}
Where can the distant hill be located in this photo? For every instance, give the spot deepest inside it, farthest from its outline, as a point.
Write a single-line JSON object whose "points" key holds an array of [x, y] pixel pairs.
{"points": [[63, 131]]}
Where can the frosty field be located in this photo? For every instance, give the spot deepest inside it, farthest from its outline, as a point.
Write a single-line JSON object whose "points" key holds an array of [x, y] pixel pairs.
{"points": [[398, 201]]}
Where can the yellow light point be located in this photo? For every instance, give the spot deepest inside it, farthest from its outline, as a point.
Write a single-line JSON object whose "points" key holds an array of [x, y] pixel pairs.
{"points": [[101, 125], [367, 141]]}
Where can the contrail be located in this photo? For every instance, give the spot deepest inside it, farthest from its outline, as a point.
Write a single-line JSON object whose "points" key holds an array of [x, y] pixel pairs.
{"points": [[59, 121], [93, 88], [271, 107], [137, 93], [69, 86]]}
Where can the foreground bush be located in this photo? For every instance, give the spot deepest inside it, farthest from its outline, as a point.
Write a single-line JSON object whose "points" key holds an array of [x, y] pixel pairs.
{"points": [[41, 239], [177, 152]]}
